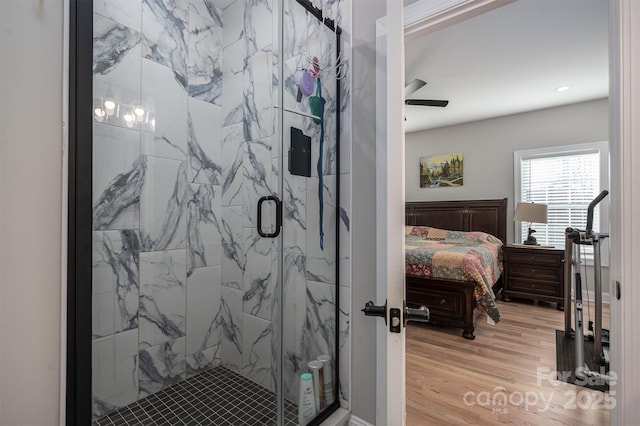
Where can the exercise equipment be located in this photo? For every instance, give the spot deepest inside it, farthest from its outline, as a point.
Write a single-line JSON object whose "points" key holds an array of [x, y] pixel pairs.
{"points": [[575, 239]]}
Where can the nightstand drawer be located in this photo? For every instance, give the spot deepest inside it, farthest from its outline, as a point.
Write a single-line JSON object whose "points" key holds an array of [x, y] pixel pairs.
{"points": [[536, 271], [537, 287], [534, 258]]}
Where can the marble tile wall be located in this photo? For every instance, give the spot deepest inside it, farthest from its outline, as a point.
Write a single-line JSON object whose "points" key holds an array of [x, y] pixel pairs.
{"points": [[184, 146], [158, 187]]}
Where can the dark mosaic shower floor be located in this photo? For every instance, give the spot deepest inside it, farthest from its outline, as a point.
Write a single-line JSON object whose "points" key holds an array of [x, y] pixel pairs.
{"points": [[216, 397]]}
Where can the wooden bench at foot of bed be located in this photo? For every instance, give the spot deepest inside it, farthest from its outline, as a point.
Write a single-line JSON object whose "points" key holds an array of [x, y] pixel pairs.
{"points": [[451, 303]]}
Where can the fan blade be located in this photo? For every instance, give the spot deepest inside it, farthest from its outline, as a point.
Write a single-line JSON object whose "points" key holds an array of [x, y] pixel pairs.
{"points": [[426, 102], [413, 86]]}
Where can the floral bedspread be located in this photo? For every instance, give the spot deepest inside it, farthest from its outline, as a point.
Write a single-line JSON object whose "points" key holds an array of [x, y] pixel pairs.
{"points": [[456, 255]]}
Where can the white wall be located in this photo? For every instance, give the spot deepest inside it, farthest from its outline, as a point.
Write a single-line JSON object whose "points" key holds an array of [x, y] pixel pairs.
{"points": [[30, 210], [488, 148], [363, 329]]}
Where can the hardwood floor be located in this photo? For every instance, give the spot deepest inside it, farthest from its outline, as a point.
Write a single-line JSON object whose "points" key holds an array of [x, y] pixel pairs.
{"points": [[451, 380]]}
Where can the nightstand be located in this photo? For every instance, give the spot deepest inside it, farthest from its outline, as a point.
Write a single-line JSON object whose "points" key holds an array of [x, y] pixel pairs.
{"points": [[533, 273]]}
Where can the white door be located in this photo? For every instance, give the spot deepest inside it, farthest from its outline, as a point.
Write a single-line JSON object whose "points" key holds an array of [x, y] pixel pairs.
{"points": [[390, 215], [421, 17]]}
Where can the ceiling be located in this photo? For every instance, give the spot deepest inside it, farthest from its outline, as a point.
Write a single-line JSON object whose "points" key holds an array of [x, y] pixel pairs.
{"points": [[510, 60]]}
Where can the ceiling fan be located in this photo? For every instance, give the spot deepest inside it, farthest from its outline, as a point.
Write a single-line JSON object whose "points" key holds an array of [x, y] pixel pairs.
{"points": [[412, 87]]}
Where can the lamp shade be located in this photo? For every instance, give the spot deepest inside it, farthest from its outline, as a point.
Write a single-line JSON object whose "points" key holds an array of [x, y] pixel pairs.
{"points": [[530, 212]]}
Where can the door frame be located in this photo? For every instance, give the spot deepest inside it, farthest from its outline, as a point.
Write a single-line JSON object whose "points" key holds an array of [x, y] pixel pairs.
{"points": [[79, 213], [390, 347], [624, 143]]}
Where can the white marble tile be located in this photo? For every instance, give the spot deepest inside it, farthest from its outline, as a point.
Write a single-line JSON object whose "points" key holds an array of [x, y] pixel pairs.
{"points": [[231, 328], [329, 147], [256, 174], [118, 174], [256, 350], [294, 212], [233, 18], [124, 12], [330, 8], [321, 270], [234, 57], [294, 365], [164, 118], [294, 68], [258, 280], [205, 143], [116, 70], [232, 158], [114, 371], [165, 32], [258, 25], [319, 333], [201, 361], [344, 212], [233, 254], [294, 306], [114, 281], [161, 366], [320, 43], [344, 15], [204, 240], [258, 93], [295, 27], [276, 320], [275, 177], [314, 250], [205, 51], [162, 297], [346, 116], [203, 309], [232, 82], [163, 205]]}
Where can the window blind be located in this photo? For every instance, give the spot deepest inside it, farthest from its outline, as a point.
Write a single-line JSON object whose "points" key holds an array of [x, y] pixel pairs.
{"points": [[566, 183]]}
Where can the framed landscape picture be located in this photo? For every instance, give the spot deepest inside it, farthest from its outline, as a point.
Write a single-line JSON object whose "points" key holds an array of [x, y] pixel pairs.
{"points": [[441, 170]]}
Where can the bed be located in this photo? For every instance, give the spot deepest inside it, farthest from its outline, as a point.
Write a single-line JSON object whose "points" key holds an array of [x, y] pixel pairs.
{"points": [[451, 302]]}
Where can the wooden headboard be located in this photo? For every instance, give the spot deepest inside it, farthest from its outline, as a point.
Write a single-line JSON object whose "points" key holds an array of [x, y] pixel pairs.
{"points": [[488, 216]]}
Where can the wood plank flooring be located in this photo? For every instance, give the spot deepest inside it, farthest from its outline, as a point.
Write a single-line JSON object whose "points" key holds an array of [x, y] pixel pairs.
{"points": [[451, 380]]}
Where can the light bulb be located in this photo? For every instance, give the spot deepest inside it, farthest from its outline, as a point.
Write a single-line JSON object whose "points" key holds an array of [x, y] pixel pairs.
{"points": [[562, 88], [128, 118], [139, 113], [110, 106], [153, 123], [99, 113]]}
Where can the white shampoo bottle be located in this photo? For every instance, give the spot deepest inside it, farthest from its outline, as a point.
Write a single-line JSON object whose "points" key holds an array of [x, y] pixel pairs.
{"points": [[306, 400]]}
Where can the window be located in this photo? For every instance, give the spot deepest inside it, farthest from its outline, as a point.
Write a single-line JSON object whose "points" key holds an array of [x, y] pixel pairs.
{"points": [[566, 179]]}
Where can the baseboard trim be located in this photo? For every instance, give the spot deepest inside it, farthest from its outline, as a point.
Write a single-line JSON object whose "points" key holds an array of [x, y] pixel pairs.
{"points": [[357, 421], [339, 418]]}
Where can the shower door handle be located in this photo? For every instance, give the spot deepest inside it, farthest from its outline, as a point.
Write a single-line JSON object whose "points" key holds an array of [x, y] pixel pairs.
{"points": [[278, 216]]}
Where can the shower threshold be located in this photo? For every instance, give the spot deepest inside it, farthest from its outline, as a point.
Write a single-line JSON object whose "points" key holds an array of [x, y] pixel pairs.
{"points": [[215, 397]]}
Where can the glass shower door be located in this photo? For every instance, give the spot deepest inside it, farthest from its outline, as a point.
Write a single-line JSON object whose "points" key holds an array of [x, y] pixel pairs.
{"points": [[309, 188]]}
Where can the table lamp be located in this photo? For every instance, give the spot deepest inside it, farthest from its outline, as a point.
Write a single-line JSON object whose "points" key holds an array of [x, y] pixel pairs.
{"points": [[532, 213]]}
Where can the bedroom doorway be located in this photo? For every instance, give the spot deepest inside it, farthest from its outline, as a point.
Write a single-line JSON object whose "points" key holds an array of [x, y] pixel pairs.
{"points": [[455, 12]]}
